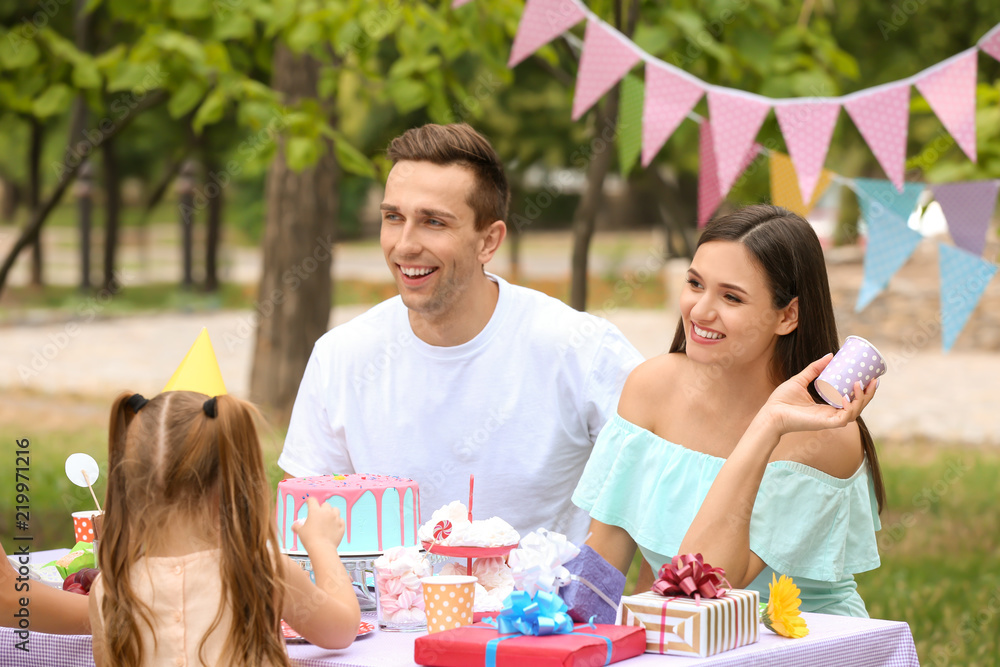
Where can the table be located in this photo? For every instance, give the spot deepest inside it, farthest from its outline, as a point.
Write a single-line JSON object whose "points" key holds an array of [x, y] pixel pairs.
{"points": [[832, 640]]}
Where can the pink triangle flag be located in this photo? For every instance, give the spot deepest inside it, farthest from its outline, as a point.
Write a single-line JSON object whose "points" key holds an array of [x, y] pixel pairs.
{"points": [[807, 129], [883, 117], [735, 121], [459, 3], [710, 194], [541, 21], [951, 92], [968, 208], [669, 98], [991, 44], [604, 61]]}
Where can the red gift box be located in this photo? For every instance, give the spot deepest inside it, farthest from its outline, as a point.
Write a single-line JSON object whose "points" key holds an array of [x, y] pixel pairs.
{"points": [[467, 646]]}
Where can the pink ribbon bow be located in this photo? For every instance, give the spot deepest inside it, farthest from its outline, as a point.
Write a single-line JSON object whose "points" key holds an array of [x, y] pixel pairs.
{"points": [[688, 576]]}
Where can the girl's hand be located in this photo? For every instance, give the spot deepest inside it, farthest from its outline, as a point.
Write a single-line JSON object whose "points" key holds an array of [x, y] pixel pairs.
{"points": [[791, 408], [322, 522]]}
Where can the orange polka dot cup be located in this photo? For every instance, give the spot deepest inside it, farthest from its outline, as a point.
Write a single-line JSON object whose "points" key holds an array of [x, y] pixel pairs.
{"points": [[83, 525], [448, 601]]}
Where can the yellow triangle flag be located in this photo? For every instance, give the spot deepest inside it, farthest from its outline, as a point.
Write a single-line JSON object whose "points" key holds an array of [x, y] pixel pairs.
{"points": [[785, 185], [199, 371]]}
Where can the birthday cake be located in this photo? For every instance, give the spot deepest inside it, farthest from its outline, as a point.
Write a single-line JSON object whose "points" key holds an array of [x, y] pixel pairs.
{"points": [[380, 511]]}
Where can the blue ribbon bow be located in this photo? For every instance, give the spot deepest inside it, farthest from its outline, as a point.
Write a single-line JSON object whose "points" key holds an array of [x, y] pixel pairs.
{"points": [[545, 614]]}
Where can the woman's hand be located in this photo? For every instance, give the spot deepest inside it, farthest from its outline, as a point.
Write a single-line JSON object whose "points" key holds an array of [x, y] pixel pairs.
{"points": [[322, 522], [791, 408]]}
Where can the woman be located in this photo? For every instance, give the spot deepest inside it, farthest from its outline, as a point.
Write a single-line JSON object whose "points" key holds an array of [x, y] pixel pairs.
{"points": [[722, 447]]}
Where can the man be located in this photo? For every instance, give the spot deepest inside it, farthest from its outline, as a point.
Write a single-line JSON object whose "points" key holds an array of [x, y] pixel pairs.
{"points": [[462, 373]]}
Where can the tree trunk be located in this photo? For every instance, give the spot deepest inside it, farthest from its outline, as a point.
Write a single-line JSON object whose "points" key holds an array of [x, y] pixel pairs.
{"points": [[35, 197], [67, 172], [83, 38], [216, 205], [11, 199], [590, 203], [600, 162], [294, 299], [112, 208]]}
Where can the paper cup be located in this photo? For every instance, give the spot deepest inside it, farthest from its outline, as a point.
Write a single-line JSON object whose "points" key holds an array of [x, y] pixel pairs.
{"points": [[448, 601], [857, 361], [83, 525]]}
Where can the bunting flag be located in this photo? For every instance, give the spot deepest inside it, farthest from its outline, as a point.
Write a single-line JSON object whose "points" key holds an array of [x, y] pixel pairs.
{"points": [[882, 117], [710, 194], [968, 208], [735, 122], [785, 188], [604, 61], [541, 21], [951, 92], [881, 194], [964, 277], [890, 244], [991, 43], [808, 128], [629, 123], [669, 99]]}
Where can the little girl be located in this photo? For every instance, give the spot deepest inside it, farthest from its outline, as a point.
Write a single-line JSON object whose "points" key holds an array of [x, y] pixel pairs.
{"points": [[191, 572]]}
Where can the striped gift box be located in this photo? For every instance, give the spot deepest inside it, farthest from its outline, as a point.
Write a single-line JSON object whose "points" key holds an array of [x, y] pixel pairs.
{"points": [[683, 626]]}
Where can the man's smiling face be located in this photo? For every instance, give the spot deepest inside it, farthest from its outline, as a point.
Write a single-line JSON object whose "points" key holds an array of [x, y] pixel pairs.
{"points": [[429, 236]]}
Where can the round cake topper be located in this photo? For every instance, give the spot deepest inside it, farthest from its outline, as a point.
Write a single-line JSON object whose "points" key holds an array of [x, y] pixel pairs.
{"points": [[82, 469], [442, 530]]}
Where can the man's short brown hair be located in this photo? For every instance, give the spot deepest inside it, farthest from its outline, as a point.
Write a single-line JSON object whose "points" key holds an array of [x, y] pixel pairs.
{"points": [[461, 145]]}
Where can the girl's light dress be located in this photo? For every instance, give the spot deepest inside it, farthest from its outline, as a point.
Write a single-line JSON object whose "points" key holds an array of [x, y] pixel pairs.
{"points": [[816, 528], [184, 593]]}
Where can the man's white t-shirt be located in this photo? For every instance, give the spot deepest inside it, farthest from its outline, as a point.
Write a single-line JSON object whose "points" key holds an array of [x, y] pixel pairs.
{"points": [[519, 406]]}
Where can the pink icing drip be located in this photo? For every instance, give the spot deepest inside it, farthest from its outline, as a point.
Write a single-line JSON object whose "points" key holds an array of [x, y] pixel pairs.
{"points": [[352, 488]]}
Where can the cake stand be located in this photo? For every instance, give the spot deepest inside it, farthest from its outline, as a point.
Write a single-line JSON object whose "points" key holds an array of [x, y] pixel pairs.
{"points": [[361, 568], [468, 553]]}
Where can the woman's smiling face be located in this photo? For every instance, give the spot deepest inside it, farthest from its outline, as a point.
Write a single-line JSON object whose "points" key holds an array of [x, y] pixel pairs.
{"points": [[728, 309]]}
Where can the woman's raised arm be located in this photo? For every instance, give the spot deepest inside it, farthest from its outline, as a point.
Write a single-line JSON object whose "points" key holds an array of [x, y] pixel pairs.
{"points": [[721, 529]]}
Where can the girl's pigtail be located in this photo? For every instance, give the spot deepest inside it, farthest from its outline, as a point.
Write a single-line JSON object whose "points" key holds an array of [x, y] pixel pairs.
{"points": [[117, 548], [250, 552]]}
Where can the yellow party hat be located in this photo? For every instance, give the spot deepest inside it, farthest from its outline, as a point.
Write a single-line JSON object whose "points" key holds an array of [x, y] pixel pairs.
{"points": [[199, 371], [785, 185]]}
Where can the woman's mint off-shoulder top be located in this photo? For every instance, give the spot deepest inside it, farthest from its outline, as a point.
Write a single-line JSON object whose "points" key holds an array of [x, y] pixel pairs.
{"points": [[816, 528]]}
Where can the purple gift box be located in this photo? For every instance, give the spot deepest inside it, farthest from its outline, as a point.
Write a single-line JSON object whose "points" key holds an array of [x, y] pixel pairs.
{"points": [[595, 589]]}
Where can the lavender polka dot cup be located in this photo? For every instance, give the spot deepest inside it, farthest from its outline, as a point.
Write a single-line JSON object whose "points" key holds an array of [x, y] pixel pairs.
{"points": [[857, 361]]}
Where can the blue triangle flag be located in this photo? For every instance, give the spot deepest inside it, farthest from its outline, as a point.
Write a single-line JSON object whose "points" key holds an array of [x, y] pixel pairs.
{"points": [[964, 277], [878, 196], [890, 244]]}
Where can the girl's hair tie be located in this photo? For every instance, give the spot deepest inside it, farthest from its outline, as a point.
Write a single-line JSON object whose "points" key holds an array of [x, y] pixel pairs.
{"points": [[211, 407], [136, 402]]}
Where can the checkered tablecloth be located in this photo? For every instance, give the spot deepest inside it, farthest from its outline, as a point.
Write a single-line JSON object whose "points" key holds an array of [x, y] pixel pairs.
{"points": [[833, 641]]}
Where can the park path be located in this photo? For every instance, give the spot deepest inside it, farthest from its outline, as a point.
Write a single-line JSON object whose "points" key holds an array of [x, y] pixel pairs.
{"points": [[926, 395]]}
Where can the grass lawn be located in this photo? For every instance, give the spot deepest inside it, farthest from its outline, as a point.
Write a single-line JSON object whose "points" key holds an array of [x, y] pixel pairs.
{"points": [[17, 302], [940, 541]]}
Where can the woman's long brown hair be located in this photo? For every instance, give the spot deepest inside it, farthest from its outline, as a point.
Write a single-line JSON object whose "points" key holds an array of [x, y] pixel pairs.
{"points": [[173, 459], [789, 254]]}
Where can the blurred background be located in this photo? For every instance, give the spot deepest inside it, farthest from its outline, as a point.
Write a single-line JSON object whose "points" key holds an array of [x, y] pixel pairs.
{"points": [[176, 164]]}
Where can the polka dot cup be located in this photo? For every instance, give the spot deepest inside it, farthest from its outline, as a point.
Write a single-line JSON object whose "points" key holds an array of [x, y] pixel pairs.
{"points": [[857, 361], [83, 525], [448, 601]]}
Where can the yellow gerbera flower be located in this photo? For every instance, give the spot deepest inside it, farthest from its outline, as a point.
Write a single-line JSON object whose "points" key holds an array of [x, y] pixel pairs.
{"points": [[782, 613]]}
